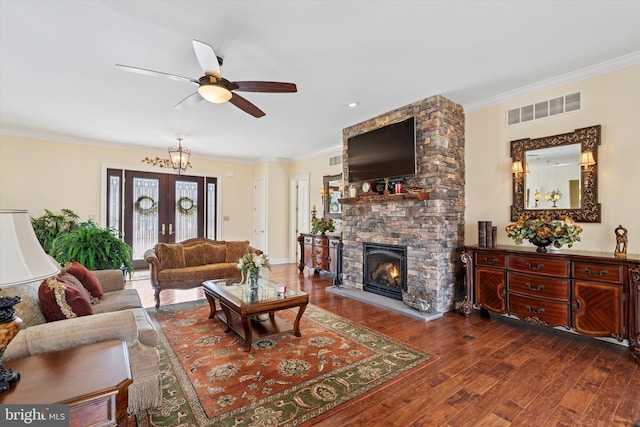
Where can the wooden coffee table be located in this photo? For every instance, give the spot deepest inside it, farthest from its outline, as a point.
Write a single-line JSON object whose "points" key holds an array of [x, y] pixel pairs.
{"points": [[241, 307]]}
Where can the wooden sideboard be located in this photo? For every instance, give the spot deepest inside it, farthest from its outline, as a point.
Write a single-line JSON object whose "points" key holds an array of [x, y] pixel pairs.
{"points": [[592, 293], [322, 253]]}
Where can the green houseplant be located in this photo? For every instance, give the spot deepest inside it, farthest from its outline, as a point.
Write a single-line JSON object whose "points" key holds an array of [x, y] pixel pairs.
{"points": [[94, 247], [51, 225]]}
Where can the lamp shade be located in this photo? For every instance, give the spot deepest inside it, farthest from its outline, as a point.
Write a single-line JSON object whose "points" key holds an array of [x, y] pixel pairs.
{"points": [[516, 167], [586, 158], [22, 259]]}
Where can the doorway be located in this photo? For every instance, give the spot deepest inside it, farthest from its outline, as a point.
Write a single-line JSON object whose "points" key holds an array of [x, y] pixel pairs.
{"points": [[160, 208]]}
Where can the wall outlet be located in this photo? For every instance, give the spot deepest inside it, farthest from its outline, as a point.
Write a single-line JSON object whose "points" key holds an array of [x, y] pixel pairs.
{"points": [[226, 218]]}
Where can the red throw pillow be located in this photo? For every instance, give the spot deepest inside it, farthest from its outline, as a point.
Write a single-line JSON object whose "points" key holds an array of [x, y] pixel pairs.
{"points": [[60, 300], [87, 278]]}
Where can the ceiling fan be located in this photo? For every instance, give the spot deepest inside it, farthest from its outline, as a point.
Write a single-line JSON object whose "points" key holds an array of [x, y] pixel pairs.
{"points": [[215, 88]]}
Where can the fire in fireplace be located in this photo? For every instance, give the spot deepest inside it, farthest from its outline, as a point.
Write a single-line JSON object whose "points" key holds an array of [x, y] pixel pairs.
{"points": [[385, 269]]}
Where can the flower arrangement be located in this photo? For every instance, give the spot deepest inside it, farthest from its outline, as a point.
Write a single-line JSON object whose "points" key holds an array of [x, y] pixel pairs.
{"points": [[322, 225], [252, 262], [561, 231]]}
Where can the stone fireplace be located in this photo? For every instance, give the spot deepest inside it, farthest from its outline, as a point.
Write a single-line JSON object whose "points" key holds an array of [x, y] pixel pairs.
{"points": [[384, 269], [427, 218]]}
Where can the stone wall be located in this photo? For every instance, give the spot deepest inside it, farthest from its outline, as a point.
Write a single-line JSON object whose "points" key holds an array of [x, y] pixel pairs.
{"points": [[433, 229]]}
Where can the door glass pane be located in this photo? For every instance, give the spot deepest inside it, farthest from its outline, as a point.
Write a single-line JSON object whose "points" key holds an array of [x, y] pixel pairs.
{"points": [[211, 210], [145, 215], [114, 208], [186, 225]]}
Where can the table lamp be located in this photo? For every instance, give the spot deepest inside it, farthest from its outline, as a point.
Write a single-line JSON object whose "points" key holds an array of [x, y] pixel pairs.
{"points": [[22, 260]]}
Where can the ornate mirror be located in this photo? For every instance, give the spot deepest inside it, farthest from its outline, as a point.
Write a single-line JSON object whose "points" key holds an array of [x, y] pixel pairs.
{"points": [[557, 175], [331, 193]]}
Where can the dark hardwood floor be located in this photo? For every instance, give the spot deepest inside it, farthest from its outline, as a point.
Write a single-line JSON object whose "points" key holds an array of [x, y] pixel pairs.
{"points": [[489, 371]]}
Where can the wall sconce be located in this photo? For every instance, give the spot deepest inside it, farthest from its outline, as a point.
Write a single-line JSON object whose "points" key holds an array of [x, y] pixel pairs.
{"points": [[516, 167], [586, 159]]}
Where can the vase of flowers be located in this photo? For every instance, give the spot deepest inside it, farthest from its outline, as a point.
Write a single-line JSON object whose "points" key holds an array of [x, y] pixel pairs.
{"points": [[322, 225], [544, 231], [250, 265]]}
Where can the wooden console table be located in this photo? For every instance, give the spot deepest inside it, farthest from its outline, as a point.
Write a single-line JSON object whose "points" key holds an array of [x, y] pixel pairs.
{"points": [[322, 253], [592, 293], [93, 380]]}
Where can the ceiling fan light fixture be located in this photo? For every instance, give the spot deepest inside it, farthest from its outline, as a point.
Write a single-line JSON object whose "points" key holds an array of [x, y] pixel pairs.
{"points": [[215, 93]]}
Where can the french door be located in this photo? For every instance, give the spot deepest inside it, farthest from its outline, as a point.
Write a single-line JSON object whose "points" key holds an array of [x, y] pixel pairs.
{"points": [[162, 208]]}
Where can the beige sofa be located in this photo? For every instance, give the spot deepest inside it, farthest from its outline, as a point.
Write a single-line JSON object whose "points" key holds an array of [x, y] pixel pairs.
{"points": [[118, 316], [187, 264]]}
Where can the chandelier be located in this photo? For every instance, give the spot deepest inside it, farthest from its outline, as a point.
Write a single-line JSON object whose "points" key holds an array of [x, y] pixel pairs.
{"points": [[178, 159]]}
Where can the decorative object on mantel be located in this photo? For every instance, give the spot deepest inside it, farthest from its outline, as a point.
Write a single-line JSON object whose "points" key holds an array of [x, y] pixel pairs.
{"points": [[621, 242], [22, 260], [544, 231], [322, 225], [178, 159]]}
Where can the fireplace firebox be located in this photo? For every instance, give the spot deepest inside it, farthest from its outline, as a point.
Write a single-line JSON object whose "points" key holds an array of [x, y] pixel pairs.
{"points": [[385, 269]]}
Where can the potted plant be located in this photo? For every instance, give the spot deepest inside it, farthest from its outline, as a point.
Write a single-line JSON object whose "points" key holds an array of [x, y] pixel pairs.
{"points": [[322, 225], [94, 247], [51, 225], [544, 231]]}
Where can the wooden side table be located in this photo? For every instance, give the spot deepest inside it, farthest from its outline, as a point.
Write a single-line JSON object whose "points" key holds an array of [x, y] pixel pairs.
{"points": [[93, 380]]}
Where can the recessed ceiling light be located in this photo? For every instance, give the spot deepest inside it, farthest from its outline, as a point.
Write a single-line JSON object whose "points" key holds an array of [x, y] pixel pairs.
{"points": [[353, 104]]}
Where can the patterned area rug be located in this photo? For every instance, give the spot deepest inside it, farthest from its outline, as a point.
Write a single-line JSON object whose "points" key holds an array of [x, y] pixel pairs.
{"points": [[284, 381]]}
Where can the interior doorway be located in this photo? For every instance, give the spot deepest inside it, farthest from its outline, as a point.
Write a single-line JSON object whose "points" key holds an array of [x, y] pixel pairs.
{"points": [[300, 211]]}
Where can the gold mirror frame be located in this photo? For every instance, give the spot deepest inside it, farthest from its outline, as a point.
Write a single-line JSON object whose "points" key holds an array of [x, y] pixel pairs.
{"points": [[326, 197], [589, 139]]}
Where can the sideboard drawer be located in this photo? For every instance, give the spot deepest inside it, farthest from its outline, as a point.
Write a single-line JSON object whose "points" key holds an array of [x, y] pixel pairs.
{"points": [[491, 260], [308, 240], [320, 241], [539, 311], [601, 272], [548, 266], [539, 286]]}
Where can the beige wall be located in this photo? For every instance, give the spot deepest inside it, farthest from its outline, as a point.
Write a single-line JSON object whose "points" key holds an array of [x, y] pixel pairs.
{"points": [[317, 166], [611, 100], [37, 175]]}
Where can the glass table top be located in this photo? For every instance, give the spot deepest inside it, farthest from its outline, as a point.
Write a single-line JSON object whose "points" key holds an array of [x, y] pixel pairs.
{"points": [[266, 290]]}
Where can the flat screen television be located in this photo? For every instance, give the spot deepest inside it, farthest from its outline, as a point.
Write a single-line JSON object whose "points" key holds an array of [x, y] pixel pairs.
{"points": [[386, 152]]}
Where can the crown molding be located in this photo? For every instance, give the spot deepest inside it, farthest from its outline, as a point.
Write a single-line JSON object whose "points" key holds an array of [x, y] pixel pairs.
{"points": [[563, 79]]}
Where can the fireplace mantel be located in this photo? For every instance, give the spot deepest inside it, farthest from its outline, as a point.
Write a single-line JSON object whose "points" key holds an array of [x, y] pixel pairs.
{"points": [[384, 198]]}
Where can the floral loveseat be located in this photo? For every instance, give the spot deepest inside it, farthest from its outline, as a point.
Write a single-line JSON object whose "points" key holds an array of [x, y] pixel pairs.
{"points": [[115, 315], [187, 264]]}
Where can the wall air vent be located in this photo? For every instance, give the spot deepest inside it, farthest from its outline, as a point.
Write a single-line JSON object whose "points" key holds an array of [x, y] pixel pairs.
{"points": [[335, 160], [547, 108]]}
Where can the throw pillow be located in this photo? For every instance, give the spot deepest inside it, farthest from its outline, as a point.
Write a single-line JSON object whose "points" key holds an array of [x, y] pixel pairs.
{"points": [[213, 253], [193, 255], [73, 281], [60, 300], [235, 250], [170, 255], [89, 280]]}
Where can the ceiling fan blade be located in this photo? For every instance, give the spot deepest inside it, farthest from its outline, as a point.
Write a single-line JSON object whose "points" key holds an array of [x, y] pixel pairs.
{"points": [[207, 59], [245, 105], [273, 87], [155, 73], [189, 101]]}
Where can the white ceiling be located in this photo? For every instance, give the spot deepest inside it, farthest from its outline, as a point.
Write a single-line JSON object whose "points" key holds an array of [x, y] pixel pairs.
{"points": [[58, 78]]}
